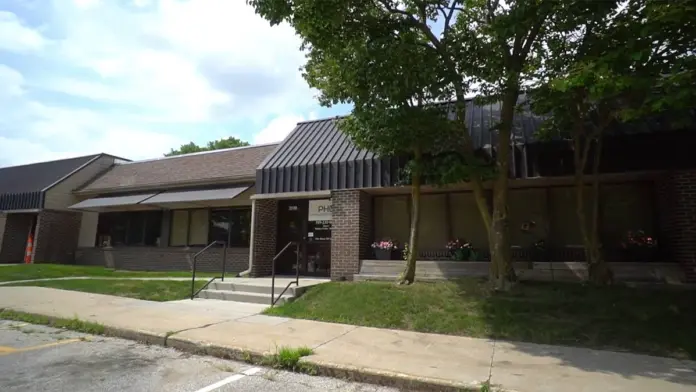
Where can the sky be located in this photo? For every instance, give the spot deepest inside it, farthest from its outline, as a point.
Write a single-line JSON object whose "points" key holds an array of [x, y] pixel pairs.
{"points": [[135, 78]]}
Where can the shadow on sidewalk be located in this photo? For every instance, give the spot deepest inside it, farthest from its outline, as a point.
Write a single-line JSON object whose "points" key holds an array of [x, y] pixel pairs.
{"points": [[565, 317]]}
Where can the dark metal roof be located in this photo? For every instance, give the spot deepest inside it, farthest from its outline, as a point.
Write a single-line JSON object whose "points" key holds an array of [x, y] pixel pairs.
{"points": [[196, 195], [113, 201], [22, 187], [318, 156]]}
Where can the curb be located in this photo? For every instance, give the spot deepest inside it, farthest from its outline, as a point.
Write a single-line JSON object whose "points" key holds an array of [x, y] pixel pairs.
{"points": [[316, 368], [319, 368]]}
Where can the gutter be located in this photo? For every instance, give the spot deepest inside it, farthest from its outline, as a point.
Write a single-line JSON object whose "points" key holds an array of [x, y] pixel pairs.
{"points": [[247, 271]]}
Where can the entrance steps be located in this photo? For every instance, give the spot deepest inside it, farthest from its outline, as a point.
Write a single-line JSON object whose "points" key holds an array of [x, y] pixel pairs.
{"points": [[255, 290]]}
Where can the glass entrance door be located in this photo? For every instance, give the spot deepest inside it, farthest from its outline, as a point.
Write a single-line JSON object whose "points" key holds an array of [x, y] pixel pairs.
{"points": [[306, 222], [292, 226]]}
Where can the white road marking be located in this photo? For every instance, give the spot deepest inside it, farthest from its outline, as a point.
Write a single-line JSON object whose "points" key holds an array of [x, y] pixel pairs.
{"points": [[252, 371], [230, 379]]}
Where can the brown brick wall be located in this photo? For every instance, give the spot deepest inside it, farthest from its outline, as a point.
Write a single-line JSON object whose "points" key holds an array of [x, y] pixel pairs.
{"points": [[677, 218], [351, 232], [265, 231], [164, 259], [57, 233], [3, 220], [14, 239]]}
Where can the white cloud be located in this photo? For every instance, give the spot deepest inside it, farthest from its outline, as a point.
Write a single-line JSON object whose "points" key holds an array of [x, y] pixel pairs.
{"points": [[277, 129], [44, 132], [15, 36], [138, 77], [11, 82]]}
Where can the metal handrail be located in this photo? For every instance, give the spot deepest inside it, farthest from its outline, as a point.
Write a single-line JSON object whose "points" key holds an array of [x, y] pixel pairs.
{"points": [[193, 267], [274, 300]]}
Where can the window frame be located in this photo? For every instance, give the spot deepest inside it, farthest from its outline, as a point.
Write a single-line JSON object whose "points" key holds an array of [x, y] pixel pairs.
{"points": [[210, 211], [128, 218]]}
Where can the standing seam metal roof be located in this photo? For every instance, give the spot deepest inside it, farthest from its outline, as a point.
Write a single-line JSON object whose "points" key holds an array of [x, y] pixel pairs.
{"points": [[318, 156]]}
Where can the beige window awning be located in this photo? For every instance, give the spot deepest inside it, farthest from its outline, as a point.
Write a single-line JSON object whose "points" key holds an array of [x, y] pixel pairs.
{"points": [[196, 197], [114, 203]]}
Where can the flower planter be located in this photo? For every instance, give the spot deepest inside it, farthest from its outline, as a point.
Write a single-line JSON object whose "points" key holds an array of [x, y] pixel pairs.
{"points": [[461, 254], [384, 254]]}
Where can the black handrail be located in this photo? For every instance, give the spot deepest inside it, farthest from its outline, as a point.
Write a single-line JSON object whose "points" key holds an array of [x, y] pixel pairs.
{"points": [[274, 300], [193, 267]]}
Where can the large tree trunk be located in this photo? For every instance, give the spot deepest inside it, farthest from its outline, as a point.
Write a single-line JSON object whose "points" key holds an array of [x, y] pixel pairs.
{"points": [[468, 152], [598, 270], [502, 274], [409, 274]]}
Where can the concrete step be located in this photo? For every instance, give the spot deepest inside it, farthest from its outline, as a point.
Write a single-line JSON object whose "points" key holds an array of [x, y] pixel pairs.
{"points": [[242, 296], [292, 291]]}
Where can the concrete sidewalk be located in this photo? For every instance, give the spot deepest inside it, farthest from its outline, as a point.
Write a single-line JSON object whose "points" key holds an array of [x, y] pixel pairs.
{"points": [[13, 282], [400, 358]]}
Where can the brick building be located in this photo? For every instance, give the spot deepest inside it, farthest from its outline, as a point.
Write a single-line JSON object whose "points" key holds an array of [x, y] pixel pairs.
{"points": [[35, 199], [647, 184], [318, 190], [157, 214]]}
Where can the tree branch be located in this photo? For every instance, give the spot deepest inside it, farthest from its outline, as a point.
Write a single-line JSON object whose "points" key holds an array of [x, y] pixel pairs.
{"points": [[415, 22], [533, 33], [448, 17]]}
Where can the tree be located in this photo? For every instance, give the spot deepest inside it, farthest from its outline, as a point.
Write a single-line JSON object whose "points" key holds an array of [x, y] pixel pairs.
{"points": [[486, 42], [622, 62], [393, 83], [220, 144]]}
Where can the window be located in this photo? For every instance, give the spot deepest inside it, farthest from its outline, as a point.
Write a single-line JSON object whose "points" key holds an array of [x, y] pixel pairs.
{"points": [[231, 225], [129, 228], [179, 232], [200, 227]]}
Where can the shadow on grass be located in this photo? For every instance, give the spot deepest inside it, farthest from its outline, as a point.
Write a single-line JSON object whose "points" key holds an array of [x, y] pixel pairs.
{"points": [[660, 322]]}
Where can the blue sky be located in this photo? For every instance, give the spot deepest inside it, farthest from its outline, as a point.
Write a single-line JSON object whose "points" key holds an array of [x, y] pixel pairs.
{"points": [[135, 78]]}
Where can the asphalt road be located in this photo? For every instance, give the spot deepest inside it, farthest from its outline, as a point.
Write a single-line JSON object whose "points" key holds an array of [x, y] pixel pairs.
{"points": [[38, 358]]}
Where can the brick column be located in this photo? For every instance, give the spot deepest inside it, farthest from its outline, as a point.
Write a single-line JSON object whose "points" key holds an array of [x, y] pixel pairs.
{"points": [[677, 218], [14, 239], [351, 231], [265, 229], [3, 220], [57, 234]]}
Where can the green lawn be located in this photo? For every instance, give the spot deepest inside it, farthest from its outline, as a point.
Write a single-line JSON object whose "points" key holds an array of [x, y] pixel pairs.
{"points": [[659, 322], [152, 290], [43, 271]]}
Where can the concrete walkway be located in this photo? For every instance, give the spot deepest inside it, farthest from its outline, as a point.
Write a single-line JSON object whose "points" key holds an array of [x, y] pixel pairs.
{"points": [[379, 354], [102, 278]]}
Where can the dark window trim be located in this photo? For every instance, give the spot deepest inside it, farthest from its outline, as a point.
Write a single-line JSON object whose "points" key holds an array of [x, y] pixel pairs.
{"points": [[142, 243], [188, 225]]}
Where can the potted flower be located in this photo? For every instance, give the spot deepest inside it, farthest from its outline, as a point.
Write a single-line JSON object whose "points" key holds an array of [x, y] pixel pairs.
{"points": [[639, 247], [460, 250], [384, 249]]}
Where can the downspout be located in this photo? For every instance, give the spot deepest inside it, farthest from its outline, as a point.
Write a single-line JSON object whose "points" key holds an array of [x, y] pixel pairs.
{"points": [[251, 240]]}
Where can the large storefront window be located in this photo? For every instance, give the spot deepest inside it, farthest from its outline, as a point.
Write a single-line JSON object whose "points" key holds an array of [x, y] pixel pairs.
{"points": [[203, 226], [233, 225], [129, 228]]}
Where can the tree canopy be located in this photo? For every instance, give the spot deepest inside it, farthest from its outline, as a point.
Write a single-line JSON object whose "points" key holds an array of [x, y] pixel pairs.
{"points": [[623, 61], [220, 144]]}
